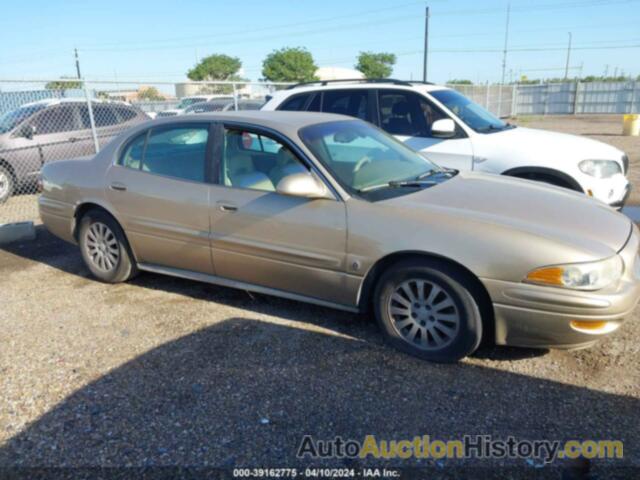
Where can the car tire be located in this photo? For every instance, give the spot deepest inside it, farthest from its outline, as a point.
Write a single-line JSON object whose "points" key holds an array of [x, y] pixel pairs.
{"points": [[440, 324], [7, 184], [105, 249]]}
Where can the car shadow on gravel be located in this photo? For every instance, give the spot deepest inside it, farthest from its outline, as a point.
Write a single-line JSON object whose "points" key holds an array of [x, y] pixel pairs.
{"points": [[244, 392], [63, 256]]}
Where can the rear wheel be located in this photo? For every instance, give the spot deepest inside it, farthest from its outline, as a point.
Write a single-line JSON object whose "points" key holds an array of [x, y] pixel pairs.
{"points": [[426, 309], [7, 184], [104, 248]]}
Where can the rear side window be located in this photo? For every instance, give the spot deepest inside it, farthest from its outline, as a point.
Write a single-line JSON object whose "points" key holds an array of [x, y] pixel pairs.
{"points": [[104, 115], [125, 114], [56, 119], [295, 103], [354, 103], [178, 152], [132, 156]]}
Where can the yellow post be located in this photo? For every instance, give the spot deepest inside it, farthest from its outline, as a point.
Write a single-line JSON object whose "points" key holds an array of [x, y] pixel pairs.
{"points": [[631, 125]]}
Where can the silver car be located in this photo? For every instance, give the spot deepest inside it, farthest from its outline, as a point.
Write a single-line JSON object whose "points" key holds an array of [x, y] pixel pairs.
{"points": [[330, 210], [53, 129]]}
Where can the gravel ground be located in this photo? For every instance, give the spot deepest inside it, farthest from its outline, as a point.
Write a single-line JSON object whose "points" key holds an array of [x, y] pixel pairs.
{"points": [[163, 371]]}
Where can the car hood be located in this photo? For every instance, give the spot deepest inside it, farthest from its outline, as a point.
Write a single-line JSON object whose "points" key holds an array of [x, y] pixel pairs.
{"points": [[536, 209], [554, 145]]}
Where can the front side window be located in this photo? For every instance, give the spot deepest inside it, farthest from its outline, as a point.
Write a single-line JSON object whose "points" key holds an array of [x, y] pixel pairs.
{"points": [[178, 152], [9, 120], [56, 120], [405, 113], [469, 112], [363, 157], [256, 161], [354, 103]]}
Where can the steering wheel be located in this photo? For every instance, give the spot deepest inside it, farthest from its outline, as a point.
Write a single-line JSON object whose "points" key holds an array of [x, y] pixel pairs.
{"points": [[361, 163]]}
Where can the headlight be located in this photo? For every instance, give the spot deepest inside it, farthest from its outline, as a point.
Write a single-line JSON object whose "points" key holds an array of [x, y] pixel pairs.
{"points": [[580, 276], [600, 168]]}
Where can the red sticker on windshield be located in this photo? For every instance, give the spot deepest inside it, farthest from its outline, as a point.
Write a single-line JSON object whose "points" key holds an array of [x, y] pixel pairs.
{"points": [[247, 140]]}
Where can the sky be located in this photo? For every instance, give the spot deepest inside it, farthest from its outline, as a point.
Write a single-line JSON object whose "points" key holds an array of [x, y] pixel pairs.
{"points": [[159, 41]]}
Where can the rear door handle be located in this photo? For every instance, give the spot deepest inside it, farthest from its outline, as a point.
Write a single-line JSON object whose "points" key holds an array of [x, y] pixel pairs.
{"points": [[73, 139], [227, 207], [121, 187]]}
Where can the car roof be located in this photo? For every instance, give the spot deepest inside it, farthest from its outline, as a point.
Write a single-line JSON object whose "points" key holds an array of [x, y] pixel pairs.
{"points": [[57, 101], [360, 84], [278, 120]]}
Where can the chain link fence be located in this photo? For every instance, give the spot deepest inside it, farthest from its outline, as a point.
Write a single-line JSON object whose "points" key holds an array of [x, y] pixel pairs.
{"points": [[48, 121], [572, 98]]}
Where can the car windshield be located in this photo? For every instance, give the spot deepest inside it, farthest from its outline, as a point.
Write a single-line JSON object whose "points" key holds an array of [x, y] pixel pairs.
{"points": [[469, 112], [9, 120], [364, 158], [185, 102]]}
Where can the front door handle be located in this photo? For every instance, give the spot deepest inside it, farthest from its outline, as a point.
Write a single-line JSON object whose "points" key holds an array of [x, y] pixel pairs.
{"points": [[121, 187], [227, 207]]}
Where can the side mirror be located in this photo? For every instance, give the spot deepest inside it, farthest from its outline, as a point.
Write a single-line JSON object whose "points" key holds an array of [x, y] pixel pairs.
{"points": [[303, 185], [443, 128], [28, 131]]}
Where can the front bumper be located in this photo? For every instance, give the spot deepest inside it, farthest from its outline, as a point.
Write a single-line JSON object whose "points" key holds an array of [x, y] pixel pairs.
{"points": [[613, 191], [530, 315]]}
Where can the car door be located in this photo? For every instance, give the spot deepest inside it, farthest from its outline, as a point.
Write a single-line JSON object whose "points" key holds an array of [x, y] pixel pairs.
{"points": [[58, 133], [159, 188], [261, 237], [409, 117]]}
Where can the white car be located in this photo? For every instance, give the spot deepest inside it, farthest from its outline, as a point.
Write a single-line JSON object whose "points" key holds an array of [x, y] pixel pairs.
{"points": [[186, 102], [455, 132]]}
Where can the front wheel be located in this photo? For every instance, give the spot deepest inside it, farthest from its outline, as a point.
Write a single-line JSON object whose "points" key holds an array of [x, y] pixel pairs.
{"points": [[104, 248], [6, 184], [426, 309]]}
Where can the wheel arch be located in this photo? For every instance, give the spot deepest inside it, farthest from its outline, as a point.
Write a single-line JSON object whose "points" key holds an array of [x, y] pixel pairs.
{"points": [[522, 172], [6, 164], [480, 293], [83, 208]]}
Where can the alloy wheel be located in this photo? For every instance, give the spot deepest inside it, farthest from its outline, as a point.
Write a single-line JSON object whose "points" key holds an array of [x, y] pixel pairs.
{"points": [[424, 314], [102, 247]]}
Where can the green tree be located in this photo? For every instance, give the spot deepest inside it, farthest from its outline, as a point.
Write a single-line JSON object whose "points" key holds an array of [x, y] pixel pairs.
{"points": [[150, 94], [289, 65], [215, 67], [376, 65], [64, 84], [456, 81]]}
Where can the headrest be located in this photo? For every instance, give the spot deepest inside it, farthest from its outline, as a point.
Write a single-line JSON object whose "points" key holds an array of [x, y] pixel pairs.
{"points": [[400, 108]]}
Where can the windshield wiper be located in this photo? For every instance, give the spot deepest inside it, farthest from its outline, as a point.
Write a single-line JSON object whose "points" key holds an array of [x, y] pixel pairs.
{"points": [[439, 171], [398, 184]]}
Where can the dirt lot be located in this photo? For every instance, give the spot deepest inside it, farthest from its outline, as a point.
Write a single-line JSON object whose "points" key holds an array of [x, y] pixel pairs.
{"points": [[162, 371], [606, 128]]}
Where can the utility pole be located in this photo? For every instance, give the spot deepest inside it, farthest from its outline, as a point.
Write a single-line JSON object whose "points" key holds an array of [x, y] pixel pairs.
{"points": [[426, 44], [77, 63], [566, 68], [506, 42], [504, 59]]}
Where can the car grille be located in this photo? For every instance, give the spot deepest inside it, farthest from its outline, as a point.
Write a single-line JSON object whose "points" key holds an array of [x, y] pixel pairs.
{"points": [[625, 163], [167, 114]]}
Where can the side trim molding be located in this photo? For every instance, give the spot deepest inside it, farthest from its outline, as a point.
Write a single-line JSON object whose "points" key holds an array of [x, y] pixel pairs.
{"points": [[225, 282]]}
